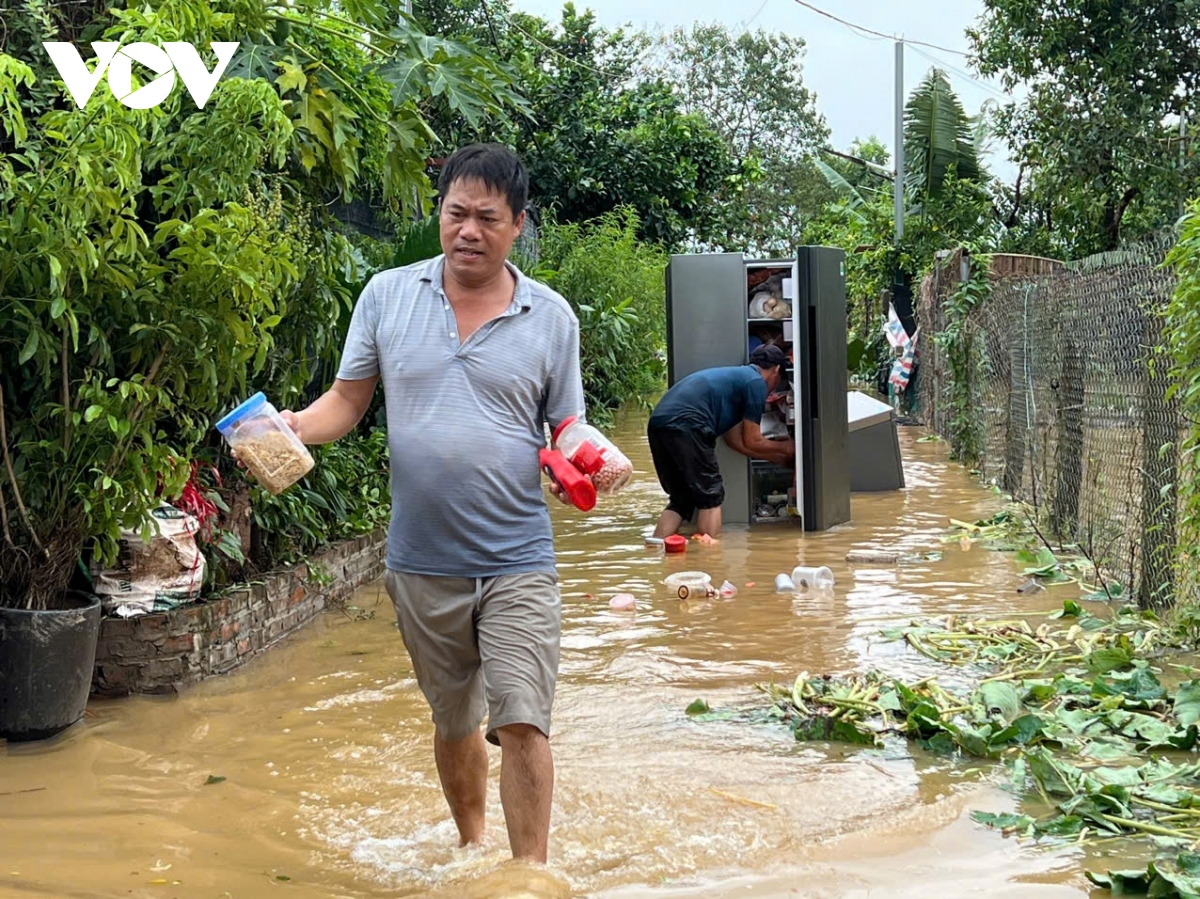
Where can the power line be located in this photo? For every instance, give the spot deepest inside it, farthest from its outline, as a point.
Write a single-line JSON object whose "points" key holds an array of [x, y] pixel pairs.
{"points": [[878, 34], [962, 74], [745, 23]]}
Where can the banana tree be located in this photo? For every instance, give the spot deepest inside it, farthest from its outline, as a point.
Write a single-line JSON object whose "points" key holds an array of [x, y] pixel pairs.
{"points": [[939, 141]]}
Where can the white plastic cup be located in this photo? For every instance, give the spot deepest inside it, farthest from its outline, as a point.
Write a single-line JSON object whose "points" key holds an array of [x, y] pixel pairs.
{"points": [[812, 578], [784, 584]]}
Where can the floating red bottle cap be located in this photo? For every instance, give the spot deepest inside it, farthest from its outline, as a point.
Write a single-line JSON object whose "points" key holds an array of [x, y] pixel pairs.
{"points": [[675, 544]]}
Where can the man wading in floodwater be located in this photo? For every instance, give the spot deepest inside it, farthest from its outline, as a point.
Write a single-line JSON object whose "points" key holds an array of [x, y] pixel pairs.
{"points": [[475, 359]]}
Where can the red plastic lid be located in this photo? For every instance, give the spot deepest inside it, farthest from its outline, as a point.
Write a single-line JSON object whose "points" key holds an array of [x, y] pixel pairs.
{"points": [[569, 420], [675, 544], [587, 459]]}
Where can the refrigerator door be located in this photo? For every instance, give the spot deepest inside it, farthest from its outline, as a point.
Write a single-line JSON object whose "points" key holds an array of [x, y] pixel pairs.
{"points": [[820, 313], [706, 328], [799, 384], [706, 313]]}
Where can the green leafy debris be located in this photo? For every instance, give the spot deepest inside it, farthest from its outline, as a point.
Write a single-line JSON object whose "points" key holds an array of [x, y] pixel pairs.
{"points": [[1072, 710]]}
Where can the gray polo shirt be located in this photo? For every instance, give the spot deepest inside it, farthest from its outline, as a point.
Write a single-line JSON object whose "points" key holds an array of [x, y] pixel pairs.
{"points": [[465, 421]]}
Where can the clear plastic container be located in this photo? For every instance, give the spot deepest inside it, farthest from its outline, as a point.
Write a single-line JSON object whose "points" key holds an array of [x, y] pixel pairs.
{"points": [[694, 579], [819, 578], [593, 454], [268, 447]]}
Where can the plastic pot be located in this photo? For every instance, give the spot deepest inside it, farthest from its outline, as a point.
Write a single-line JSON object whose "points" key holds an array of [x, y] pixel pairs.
{"points": [[46, 662]]}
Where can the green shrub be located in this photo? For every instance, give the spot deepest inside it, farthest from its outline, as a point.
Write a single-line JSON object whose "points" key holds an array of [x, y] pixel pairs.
{"points": [[1181, 332], [614, 281]]}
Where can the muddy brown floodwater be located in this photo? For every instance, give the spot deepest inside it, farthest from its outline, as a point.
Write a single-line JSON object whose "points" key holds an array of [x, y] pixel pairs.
{"points": [[330, 789]]}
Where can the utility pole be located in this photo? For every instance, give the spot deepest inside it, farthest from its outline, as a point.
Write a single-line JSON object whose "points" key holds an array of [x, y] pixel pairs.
{"points": [[1182, 158], [417, 215], [898, 185]]}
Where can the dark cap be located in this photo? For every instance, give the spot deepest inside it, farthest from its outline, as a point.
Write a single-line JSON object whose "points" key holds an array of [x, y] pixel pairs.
{"points": [[768, 356]]}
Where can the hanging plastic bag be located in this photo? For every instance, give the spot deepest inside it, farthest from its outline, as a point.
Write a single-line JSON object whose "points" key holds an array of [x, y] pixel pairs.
{"points": [[894, 329], [902, 368]]}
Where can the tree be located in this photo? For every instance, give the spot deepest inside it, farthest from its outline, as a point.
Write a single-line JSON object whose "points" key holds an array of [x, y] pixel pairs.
{"points": [[938, 141], [947, 201], [597, 136], [1105, 81], [865, 165], [751, 88], [159, 263]]}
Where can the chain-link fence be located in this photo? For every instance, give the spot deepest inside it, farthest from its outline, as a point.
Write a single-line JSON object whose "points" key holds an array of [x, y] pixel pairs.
{"points": [[1065, 402]]}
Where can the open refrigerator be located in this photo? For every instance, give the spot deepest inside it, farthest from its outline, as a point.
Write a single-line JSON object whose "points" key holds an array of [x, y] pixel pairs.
{"points": [[718, 308]]}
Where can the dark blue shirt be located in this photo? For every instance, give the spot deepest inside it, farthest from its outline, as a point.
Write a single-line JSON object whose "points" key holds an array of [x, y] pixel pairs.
{"points": [[713, 400]]}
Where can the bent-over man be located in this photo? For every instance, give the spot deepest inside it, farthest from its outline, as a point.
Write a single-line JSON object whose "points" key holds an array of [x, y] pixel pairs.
{"points": [[683, 430]]}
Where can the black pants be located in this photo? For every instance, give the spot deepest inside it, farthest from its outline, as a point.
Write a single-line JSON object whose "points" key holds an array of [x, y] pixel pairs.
{"points": [[686, 463]]}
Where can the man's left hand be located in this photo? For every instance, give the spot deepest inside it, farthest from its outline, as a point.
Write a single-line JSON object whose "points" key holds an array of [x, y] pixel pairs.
{"points": [[557, 490]]}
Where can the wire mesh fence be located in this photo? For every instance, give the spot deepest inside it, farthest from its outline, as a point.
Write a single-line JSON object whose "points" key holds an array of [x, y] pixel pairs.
{"points": [[1067, 404]]}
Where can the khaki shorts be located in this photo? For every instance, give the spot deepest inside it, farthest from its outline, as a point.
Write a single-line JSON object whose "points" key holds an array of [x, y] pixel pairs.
{"points": [[472, 639]]}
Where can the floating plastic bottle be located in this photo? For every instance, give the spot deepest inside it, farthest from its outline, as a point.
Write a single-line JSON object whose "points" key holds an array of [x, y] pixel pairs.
{"points": [[818, 578]]}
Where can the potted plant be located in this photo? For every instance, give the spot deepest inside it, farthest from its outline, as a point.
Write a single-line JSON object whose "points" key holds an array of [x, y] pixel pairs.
{"points": [[155, 262], [130, 312]]}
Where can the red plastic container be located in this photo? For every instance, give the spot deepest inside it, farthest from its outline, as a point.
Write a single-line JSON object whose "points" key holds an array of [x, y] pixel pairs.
{"points": [[675, 544], [593, 454]]}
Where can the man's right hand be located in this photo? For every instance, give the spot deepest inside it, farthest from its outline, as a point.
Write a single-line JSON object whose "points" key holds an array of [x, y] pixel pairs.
{"points": [[292, 420], [785, 452]]}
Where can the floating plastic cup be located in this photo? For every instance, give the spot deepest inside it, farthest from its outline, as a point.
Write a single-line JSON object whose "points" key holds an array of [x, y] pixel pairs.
{"points": [[784, 584], [623, 602], [806, 578], [267, 446]]}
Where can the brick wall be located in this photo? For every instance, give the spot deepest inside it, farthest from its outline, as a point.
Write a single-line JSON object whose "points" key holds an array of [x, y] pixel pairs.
{"points": [[167, 651]]}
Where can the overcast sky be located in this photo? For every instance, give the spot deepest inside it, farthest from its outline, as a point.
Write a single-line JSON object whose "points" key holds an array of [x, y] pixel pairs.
{"points": [[851, 74]]}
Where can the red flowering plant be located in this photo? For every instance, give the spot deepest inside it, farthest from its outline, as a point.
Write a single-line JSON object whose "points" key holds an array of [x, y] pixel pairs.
{"points": [[199, 503], [201, 498]]}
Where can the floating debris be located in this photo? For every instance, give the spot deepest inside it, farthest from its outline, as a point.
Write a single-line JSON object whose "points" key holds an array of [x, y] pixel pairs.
{"points": [[1072, 710], [873, 557]]}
